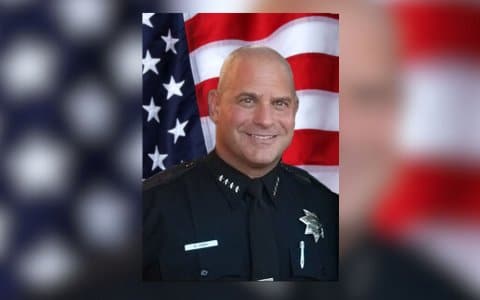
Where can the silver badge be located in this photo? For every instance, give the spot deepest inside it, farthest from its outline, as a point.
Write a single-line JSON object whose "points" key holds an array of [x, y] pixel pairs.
{"points": [[313, 225]]}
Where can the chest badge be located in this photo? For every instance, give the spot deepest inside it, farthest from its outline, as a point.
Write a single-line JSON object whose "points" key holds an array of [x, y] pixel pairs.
{"points": [[313, 225]]}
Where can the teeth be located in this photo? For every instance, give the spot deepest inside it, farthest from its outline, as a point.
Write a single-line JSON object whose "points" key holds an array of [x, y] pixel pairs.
{"points": [[262, 137]]}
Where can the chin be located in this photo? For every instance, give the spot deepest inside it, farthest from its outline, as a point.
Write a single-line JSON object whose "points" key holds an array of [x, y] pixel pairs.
{"points": [[261, 159]]}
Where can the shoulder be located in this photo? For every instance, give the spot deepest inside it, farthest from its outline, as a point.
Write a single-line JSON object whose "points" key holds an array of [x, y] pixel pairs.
{"points": [[298, 174], [303, 177], [170, 176]]}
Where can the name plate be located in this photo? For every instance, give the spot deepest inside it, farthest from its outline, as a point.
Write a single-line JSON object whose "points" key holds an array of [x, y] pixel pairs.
{"points": [[201, 245]]}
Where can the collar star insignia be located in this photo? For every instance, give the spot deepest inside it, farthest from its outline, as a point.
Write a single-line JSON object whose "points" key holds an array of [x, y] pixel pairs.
{"points": [[313, 225]]}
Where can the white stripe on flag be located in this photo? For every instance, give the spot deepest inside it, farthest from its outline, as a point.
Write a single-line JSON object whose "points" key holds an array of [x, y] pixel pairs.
{"points": [[208, 129], [318, 109], [314, 34], [442, 110]]}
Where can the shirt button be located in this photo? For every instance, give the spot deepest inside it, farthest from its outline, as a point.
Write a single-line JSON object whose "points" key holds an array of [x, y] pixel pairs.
{"points": [[203, 273]]}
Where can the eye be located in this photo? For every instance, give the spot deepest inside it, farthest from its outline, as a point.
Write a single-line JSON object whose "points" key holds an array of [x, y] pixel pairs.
{"points": [[247, 100], [281, 103]]}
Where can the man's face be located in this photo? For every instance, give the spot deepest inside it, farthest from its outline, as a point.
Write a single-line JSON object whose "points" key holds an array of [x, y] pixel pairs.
{"points": [[254, 112], [369, 115]]}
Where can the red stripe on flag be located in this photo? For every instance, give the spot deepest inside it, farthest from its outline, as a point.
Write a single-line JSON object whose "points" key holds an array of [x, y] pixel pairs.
{"points": [[428, 191], [314, 71], [313, 147], [210, 27], [432, 29]]}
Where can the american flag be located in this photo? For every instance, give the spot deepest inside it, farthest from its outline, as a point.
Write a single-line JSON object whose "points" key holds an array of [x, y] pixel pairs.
{"points": [[182, 57], [433, 204]]}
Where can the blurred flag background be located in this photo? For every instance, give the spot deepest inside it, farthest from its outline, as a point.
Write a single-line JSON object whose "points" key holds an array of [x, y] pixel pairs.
{"points": [[70, 88], [182, 60], [434, 203], [71, 163]]}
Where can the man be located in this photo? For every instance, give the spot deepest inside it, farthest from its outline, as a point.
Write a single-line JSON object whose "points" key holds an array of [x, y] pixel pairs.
{"points": [[240, 213]]}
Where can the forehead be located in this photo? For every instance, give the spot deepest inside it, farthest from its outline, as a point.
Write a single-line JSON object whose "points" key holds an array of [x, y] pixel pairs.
{"points": [[257, 71]]}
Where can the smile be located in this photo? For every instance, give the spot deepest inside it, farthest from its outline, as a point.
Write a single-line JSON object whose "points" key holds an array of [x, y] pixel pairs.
{"points": [[261, 136]]}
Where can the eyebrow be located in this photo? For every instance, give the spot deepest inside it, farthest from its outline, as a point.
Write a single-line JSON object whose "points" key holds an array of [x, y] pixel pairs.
{"points": [[247, 94], [286, 98], [254, 95]]}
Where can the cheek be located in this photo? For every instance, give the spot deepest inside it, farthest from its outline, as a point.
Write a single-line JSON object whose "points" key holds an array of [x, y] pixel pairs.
{"points": [[238, 118], [287, 122]]}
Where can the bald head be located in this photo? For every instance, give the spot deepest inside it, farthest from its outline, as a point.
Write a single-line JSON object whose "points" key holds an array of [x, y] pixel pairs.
{"points": [[253, 108], [256, 55]]}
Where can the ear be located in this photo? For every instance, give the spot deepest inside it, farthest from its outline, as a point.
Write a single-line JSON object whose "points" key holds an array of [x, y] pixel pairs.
{"points": [[297, 103], [213, 103]]}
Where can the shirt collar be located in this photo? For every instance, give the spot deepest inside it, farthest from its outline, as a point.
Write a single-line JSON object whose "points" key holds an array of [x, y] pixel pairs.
{"points": [[234, 183]]}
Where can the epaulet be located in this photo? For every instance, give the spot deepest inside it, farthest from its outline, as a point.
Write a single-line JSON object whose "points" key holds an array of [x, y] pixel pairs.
{"points": [[167, 175], [306, 178], [300, 174]]}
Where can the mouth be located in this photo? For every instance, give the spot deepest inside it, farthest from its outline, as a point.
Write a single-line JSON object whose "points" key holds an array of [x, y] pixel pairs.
{"points": [[262, 137]]}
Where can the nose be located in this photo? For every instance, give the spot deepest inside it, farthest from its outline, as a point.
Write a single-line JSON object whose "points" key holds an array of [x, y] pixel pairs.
{"points": [[263, 115]]}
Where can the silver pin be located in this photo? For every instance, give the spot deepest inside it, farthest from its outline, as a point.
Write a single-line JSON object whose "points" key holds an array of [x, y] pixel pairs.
{"points": [[231, 185], [302, 255], [276, 186], [226, 181], [220, 178], [236, 189]]}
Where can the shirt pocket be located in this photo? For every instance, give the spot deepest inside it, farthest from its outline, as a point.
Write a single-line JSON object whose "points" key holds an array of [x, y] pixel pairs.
{"points": [[227, 261], [176, 263], [313, 267]]}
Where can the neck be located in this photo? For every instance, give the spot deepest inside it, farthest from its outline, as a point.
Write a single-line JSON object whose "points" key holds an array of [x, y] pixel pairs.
{"points": [[242, 167]]}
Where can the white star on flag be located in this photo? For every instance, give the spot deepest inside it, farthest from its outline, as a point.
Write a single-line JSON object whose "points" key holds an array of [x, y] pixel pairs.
{"points": [[152, 110], [170, 42], [173, 88], [146, 19], [157, 159], [149, 63], [178, 130]]}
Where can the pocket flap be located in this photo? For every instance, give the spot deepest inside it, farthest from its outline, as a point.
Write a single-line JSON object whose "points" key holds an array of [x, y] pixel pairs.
{"points": [[312, 268]]}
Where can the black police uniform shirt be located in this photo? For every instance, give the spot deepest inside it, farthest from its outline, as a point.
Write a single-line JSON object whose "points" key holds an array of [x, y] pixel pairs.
{"points": [[195, 223]]}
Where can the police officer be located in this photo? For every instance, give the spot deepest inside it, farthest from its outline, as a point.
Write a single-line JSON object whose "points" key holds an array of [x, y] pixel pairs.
{"points": [[240, 213]]}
